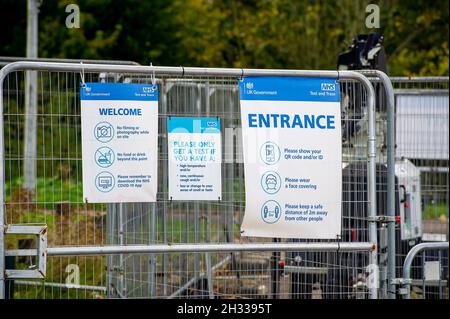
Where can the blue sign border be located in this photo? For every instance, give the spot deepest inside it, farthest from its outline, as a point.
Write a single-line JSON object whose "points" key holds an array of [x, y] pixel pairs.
{"points": [[288, 88], [193, 125], [118, 92]]}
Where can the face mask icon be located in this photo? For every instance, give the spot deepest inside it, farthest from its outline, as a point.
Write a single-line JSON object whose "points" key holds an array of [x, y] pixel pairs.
{"points": [[271, 182]]}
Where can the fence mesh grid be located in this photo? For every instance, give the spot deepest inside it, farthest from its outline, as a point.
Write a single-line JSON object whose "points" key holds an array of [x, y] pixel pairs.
{"points": [[421, 120], [56, 200]]}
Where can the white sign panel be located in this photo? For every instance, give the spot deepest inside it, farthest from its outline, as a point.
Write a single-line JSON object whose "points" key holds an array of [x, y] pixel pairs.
{"points": [[421, 127], [195, 158], [291, 130], [120, 142]]}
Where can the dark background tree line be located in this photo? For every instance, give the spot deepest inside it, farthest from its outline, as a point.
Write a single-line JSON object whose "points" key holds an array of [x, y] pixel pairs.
{"points": [[223, 33]]}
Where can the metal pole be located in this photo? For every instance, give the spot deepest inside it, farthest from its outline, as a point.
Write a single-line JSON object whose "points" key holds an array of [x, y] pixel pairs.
{"points": [[185, 71], [390, 113], [59, 285], [165, 261], [410, 257], [31, 98], [152, 259], [208, 213], [390, 144], [373, 289], [121, 277], [2, 193], [209, 275], [203, 248], [196, 203], [419, 79], [4, 60]]}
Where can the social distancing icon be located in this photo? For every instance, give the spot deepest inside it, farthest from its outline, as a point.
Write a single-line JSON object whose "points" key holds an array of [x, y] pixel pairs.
{"points": [[271, 212]]}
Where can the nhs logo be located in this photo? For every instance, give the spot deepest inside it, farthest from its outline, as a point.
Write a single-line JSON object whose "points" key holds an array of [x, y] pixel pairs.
{"points": [[148, 89], [328, 86]]}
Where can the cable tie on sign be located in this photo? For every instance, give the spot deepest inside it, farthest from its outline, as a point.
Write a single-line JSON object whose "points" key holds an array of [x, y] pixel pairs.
{"points": [[339, 244], [83, 83], [241, 78], [153, 78], [182, 70]]}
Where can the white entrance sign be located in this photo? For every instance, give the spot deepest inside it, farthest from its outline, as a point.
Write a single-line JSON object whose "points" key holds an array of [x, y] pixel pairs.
{"points": [[195, 158], [119, 127], [291, 129]]}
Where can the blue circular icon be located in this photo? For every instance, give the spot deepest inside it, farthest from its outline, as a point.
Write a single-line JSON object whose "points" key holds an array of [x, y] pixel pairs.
{"points": [[270, 212], [104, 132], [270, 153], [271, 182], [104, 182], [104, 156]]}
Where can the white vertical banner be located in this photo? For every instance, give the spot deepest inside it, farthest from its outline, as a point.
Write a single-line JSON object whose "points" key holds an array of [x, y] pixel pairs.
{"points": [[291, 129], [195, 158], [119, 128]]}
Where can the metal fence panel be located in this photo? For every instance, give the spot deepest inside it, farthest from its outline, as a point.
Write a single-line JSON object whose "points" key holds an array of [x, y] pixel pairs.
{"points": [[422, 121], [57, 201]]}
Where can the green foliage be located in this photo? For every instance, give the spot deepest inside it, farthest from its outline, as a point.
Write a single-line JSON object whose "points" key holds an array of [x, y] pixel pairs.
{"points": [[435, 211], [50, 190], [243, 33], [416, 36], [58, 129]]}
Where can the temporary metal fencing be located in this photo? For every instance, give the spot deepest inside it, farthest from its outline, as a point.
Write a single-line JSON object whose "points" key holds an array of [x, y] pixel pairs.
{"points": [[412, 132], [421, 133], [4, 60], [431, 268], [175, 249]]}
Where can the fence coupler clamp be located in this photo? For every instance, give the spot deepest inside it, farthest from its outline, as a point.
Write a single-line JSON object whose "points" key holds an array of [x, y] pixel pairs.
{"points": [[403, 284], [382, 219]]}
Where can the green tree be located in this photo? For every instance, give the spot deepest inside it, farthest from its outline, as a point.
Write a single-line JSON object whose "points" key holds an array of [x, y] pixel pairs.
{"points": [[234, 33]]}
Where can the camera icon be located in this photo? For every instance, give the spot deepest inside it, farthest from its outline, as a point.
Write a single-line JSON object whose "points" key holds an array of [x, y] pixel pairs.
{"points": [[104, 132]]}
